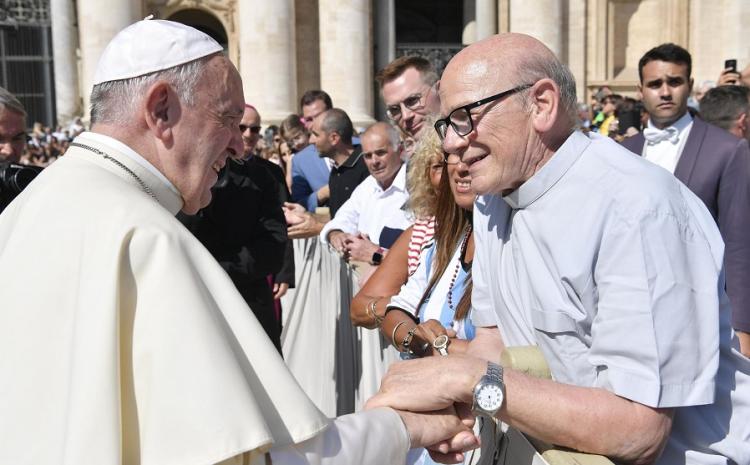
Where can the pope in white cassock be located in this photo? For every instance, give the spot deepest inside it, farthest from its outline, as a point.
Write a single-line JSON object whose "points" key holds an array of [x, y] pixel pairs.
{"points": [[122, 341]]}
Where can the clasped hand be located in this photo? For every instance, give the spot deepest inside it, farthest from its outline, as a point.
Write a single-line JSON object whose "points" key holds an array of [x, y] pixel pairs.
{"points": [[434, 386]]}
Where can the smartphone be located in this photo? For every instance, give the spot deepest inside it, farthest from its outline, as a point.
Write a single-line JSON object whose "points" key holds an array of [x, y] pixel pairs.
{"points": [[731, 64]]}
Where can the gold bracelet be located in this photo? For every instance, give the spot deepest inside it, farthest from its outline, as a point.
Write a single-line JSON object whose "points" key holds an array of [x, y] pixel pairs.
{"points": [[373, 308], [393, 334]]}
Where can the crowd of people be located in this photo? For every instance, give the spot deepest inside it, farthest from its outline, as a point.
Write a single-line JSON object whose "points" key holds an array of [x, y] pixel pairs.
{"points": [[491, 209]]}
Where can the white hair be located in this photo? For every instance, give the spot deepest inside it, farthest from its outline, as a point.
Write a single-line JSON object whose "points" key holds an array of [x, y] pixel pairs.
{"points": [[115, 102], [11, 103]]}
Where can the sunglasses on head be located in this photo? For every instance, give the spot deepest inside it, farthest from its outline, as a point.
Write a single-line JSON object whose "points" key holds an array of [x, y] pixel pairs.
{"points": [[253, 129]]}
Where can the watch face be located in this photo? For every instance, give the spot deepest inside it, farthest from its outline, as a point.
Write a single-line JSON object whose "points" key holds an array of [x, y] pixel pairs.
{"points": [[490, 397]]}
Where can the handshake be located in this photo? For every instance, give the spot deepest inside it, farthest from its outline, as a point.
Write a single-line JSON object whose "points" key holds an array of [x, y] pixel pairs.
{"points": [[433, 396]]}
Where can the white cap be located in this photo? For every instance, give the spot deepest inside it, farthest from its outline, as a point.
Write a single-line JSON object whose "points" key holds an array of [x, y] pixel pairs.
{"points": [[152, 45]]}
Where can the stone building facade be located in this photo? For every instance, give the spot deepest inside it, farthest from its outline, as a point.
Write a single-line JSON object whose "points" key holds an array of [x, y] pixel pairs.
{"points": [[284, 47]]}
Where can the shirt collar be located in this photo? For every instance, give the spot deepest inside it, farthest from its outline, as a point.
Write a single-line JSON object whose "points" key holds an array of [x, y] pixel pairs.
{"points": [[681, 124], [550, 172], [354, 157], [166, 193], [399, 182]]}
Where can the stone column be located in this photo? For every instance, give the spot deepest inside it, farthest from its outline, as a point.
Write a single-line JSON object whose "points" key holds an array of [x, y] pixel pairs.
{"points": [[268, 62], [385, 37], [98, 23], [486, 14], [718, 31], [542, 19], [346, 56], [64, 46]]}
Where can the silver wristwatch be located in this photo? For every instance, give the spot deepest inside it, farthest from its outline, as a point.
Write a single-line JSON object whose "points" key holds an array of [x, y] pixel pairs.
{"points": [[489, 393]]}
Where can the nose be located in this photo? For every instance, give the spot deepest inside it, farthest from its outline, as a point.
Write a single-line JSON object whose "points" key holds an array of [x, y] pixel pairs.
{"points": [[453, 143], [235, 147], [665, 91], [406, 114], [6, 148]]}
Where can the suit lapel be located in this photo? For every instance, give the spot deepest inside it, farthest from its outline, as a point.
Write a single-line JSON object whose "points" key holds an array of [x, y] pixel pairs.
{"points": [[635, 143], [686, 164]]}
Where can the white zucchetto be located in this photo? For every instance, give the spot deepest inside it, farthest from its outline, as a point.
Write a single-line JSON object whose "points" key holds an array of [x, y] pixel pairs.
{"points": [[152, 45]]}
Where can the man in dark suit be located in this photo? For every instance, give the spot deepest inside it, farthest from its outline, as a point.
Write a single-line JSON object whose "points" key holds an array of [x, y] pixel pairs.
{"points": [[244, 227], [714, 164]]}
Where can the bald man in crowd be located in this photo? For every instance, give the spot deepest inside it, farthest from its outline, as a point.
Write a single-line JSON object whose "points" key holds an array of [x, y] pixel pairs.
{"points": [[371, 220], [606, 262]]}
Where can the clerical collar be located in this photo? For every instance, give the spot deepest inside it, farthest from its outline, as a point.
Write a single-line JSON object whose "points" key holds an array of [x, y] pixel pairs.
{"points": [[132, 154], [681, 124], [550, 173]]}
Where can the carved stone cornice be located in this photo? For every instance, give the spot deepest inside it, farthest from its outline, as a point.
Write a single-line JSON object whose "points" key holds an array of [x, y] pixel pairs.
{"points": [[224, 9]]}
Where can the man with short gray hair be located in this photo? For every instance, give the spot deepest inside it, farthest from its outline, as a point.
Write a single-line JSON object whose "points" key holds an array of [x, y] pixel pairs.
{"points": [[728, 107], [12, 127], [139, 349], [12, 146], [374, 216]]}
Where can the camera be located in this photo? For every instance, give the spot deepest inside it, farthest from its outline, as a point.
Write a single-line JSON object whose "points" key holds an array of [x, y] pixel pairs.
{"points": [[14, 178], [731, 64]]}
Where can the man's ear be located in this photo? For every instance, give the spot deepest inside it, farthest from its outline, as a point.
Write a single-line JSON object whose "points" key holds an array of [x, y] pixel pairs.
{"points": [[545, 102], [741, 123], [334, 138], [162, 110]]}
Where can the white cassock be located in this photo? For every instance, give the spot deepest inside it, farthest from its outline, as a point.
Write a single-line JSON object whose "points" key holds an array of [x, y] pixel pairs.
{"points": [[122, 341]]}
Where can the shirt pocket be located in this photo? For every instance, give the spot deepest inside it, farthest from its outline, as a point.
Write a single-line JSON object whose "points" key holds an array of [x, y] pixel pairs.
{"points": [[553, 321]]}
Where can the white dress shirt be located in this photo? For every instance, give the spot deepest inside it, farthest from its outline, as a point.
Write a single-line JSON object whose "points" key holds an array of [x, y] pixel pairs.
{"points": [[614, 269], [666, 153], [372, 208]]}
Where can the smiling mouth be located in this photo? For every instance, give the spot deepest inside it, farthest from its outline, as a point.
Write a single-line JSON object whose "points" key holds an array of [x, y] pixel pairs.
{"points": [[463, 186], [474, 160]]}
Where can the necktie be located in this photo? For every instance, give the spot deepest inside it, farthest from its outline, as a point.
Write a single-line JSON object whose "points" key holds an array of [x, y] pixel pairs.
{"points": [[654, 135]]}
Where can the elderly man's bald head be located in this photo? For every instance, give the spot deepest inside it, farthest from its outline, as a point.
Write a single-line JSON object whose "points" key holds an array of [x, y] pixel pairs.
{"points": [[505, 61], [509, 104]]}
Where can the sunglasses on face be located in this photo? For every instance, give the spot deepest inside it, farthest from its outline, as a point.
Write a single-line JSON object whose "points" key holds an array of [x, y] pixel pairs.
{"points": [[253, 129]]}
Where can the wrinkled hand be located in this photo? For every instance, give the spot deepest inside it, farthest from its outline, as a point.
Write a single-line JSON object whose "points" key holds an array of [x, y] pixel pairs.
{"points": [[428, 331], [336, 239], [429, 384], [300, 222], [279, 290], [728, 77], [360, 248], [446, 433], [294, 213]]}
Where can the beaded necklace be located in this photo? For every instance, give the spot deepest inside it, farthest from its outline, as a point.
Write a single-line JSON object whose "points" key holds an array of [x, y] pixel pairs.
{"points": [[461, 256]]}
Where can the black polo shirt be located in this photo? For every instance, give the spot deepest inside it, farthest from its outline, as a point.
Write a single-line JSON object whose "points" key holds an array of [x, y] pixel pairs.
{"points": [[345, 178]]}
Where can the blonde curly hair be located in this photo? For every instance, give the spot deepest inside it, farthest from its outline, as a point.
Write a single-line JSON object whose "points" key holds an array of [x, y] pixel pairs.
{"points": [[422, 196]]}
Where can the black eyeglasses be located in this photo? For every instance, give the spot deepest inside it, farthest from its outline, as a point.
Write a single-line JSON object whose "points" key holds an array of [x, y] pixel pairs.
{"points": [[253, 129], [460, 118]]}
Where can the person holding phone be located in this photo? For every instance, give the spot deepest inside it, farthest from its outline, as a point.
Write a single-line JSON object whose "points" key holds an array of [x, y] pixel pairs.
{"points": [[714, 164]]}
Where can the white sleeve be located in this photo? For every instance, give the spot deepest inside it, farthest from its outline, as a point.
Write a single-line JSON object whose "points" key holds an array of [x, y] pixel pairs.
{"points": [[412, 291], [482, 310], [372, 437], [347, 217]]}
